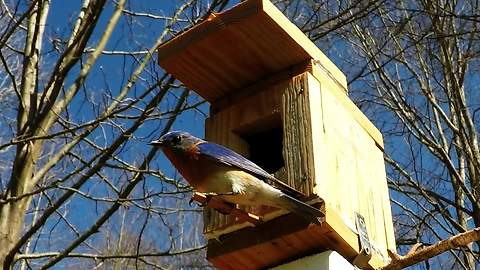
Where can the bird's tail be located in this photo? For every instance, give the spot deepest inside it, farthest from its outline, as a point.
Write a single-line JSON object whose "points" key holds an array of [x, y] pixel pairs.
{"points": [[301, 209]]}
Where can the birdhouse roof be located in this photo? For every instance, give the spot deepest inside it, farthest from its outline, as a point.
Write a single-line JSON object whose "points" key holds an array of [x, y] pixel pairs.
{"points": [[234, 49]]}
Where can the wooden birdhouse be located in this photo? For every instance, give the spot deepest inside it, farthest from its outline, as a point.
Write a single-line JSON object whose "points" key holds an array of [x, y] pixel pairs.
{"points": [[279, 101]]}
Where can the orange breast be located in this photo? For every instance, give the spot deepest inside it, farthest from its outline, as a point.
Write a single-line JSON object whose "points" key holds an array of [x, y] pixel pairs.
{"points": [[193, 170]]}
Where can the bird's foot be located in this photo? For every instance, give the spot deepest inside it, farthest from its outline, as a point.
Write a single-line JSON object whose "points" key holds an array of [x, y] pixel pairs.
{"points": [[201, 204], [208, 197], [227, 206]]}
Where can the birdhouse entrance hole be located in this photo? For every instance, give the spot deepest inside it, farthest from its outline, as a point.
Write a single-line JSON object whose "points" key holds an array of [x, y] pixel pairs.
{"points": [[266, 147]]}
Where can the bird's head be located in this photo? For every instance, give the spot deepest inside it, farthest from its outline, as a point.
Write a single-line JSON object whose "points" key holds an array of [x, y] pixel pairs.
{"points": [[176, 140]]}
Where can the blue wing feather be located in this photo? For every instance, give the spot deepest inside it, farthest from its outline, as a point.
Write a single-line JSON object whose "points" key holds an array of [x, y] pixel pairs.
{"points": [[231, 158]]}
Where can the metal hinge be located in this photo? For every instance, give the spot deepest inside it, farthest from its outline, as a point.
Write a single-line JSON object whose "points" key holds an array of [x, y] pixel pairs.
{"points": [[365, 254]]}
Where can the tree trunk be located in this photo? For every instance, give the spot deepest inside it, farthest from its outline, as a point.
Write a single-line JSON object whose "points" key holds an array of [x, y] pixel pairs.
{"points": [[12, 213]]}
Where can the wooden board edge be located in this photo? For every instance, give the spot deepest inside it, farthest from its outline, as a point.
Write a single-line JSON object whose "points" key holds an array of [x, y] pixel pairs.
{"points": [[336, 226]]}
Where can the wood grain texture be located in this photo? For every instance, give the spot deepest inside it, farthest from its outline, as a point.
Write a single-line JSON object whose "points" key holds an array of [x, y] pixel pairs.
{"points": [[297, 150], [341, 95], [349, 166]]}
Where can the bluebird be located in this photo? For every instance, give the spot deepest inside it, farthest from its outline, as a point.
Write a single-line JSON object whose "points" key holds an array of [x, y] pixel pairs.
{"points": [[214, 169]]}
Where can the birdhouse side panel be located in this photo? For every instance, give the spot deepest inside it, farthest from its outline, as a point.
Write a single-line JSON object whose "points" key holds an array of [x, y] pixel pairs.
{"points": [[385, 201], [349, 166]]}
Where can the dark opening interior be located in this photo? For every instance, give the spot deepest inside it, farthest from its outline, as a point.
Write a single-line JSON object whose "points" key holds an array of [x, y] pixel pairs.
{"points": [[266, 148]]}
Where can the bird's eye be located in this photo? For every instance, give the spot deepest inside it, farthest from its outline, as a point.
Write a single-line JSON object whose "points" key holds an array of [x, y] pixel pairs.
{"points": [[176, 139]]}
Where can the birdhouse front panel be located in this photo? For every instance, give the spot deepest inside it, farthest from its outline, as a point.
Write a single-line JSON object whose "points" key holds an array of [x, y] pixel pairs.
{"points": [[265, 127]]}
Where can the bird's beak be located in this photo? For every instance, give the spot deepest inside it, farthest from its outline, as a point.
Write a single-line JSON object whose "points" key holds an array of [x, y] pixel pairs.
{"points": [[156, 143]]}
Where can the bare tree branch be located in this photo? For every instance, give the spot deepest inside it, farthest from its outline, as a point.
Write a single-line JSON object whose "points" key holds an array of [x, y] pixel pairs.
{"points": [[417, 254]]}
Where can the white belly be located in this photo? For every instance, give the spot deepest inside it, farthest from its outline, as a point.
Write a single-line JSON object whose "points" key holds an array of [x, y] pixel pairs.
{"points": [[248, 189]]}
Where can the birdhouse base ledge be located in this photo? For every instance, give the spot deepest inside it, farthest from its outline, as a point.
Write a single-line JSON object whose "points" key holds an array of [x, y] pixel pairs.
{"points": [[282, 239]]}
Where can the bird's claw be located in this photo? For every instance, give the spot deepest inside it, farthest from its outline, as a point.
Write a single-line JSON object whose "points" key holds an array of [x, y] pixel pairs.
{"points": [[190, 201]]}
